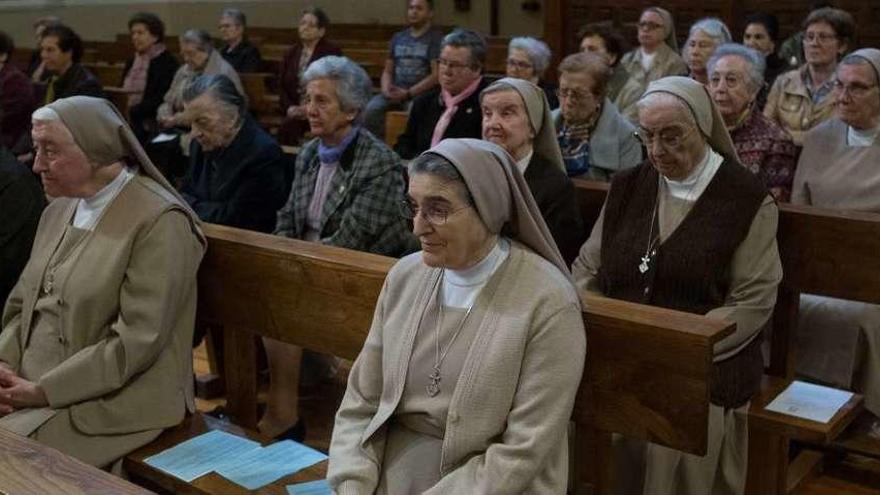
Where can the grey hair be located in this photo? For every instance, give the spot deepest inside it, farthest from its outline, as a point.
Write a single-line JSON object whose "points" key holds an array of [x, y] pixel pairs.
{"points": [[198, 37], [538, 51], [859, 60], [438, 166], [466, 38], [714, 28], [353, 86], [221, 88], [236, 15], [754, 60], [664, 98]]}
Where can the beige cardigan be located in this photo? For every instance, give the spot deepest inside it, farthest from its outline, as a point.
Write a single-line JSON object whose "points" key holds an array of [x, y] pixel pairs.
{"points": [[508, 418], [128, 309]]}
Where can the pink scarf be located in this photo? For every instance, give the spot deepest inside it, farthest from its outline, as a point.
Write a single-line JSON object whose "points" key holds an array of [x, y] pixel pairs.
{"points": [[451, 103], [136, 79]]}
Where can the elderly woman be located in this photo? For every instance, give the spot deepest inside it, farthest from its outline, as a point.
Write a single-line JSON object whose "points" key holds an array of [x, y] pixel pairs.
{"points": [[601, 38], [735, 79], [95, 355], [801, 99], [516, 117], [838, 169], [691, 229], [656, 57], [237, 172], [528, 58], [704, 37], [148, 74], [241, 54], [761, 34], [595, 140], [16, 97], [346, 190], [466, 382], [312, 46]]}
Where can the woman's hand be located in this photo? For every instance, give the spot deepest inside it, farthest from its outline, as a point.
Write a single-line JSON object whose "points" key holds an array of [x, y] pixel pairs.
{"points": [[18, 393]]}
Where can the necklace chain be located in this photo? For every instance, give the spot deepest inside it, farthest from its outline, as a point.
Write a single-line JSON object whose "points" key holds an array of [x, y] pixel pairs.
{"points": [[433, 388]]}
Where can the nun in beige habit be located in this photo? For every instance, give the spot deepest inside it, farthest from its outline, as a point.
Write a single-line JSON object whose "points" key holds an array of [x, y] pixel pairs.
{"points": [[838, 342], [95, 356], [466, 382], [693, 230], [517, 117], [655, 57]]}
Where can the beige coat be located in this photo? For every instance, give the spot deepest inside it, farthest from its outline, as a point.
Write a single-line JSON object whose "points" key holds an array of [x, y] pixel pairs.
{"points": [[507, 423], [126, 317], [173, 101], [790, 105], [666, 63]]}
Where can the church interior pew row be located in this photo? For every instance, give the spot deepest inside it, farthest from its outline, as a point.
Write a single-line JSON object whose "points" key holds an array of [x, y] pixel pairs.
{"points": [[823, 252], [322, 298]]}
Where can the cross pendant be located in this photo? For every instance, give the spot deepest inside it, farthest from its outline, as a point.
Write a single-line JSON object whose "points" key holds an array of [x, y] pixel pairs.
{"points": [[433, 388], [643, 266]]}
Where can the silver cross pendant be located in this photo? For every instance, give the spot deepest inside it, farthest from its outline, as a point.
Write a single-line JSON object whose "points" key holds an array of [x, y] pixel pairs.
{"points": [[643, 266], [433, 388]]}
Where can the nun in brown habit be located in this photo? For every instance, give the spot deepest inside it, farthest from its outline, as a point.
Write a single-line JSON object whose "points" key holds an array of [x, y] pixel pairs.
{"points": [[466, 381], [95, 349], [690, 229]]}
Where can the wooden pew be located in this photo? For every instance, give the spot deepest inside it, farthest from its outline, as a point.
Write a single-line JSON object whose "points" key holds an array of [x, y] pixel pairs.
{"points": [[395, 125], [823, 252], [107, 74], [322, 298], [27, 466]]}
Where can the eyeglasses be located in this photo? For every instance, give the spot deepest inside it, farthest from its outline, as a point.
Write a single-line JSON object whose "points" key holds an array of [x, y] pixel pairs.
{"points": [[733, 81], [452, 65], [669, 138], [519, 64], [649, 26], [856, 90], [433, 214], [573, 94], [821, 38]]}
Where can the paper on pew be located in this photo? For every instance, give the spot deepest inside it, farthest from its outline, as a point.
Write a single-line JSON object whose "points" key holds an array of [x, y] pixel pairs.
{"points": [[320, 487], [164, 137], [200, 455], [809, 401], [263, 466]]}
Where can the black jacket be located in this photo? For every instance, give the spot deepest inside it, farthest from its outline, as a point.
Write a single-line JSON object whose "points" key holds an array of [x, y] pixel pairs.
{"points": [[554, 193], [21, 204], [160, 73], [77, 81], [426, 111], [245, 57], [242, 185]]}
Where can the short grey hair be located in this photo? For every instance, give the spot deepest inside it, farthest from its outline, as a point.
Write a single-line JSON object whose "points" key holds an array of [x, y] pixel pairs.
{"points": [[664, 98], [754, 60], [198, 37], [714, 28], [221, 88], [353, 86], [438, 166], [472, 40], [538, 51], [236, 15]]}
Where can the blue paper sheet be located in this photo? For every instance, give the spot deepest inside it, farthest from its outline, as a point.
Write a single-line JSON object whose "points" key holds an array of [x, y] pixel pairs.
{"points": [[201, 455], [320, 487], [263, 466]]}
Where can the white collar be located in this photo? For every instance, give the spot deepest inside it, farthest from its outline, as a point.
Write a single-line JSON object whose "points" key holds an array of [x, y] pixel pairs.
{"points": [[692, 187], [523, 164], [867, 137], [88, 210], [461, 287]]}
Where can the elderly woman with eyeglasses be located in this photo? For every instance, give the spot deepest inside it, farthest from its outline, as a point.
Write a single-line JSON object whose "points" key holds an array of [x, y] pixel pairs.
{"points": [[800, 99], [735, 80], [838, 170], [528, 58], [466, 381], [656, 57], [704, 37], [691, 229], [595, 140], [346, 190]]}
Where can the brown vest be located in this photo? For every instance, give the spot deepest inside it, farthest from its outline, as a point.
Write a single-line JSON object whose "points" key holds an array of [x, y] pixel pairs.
{"points": [[690, 270]]}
